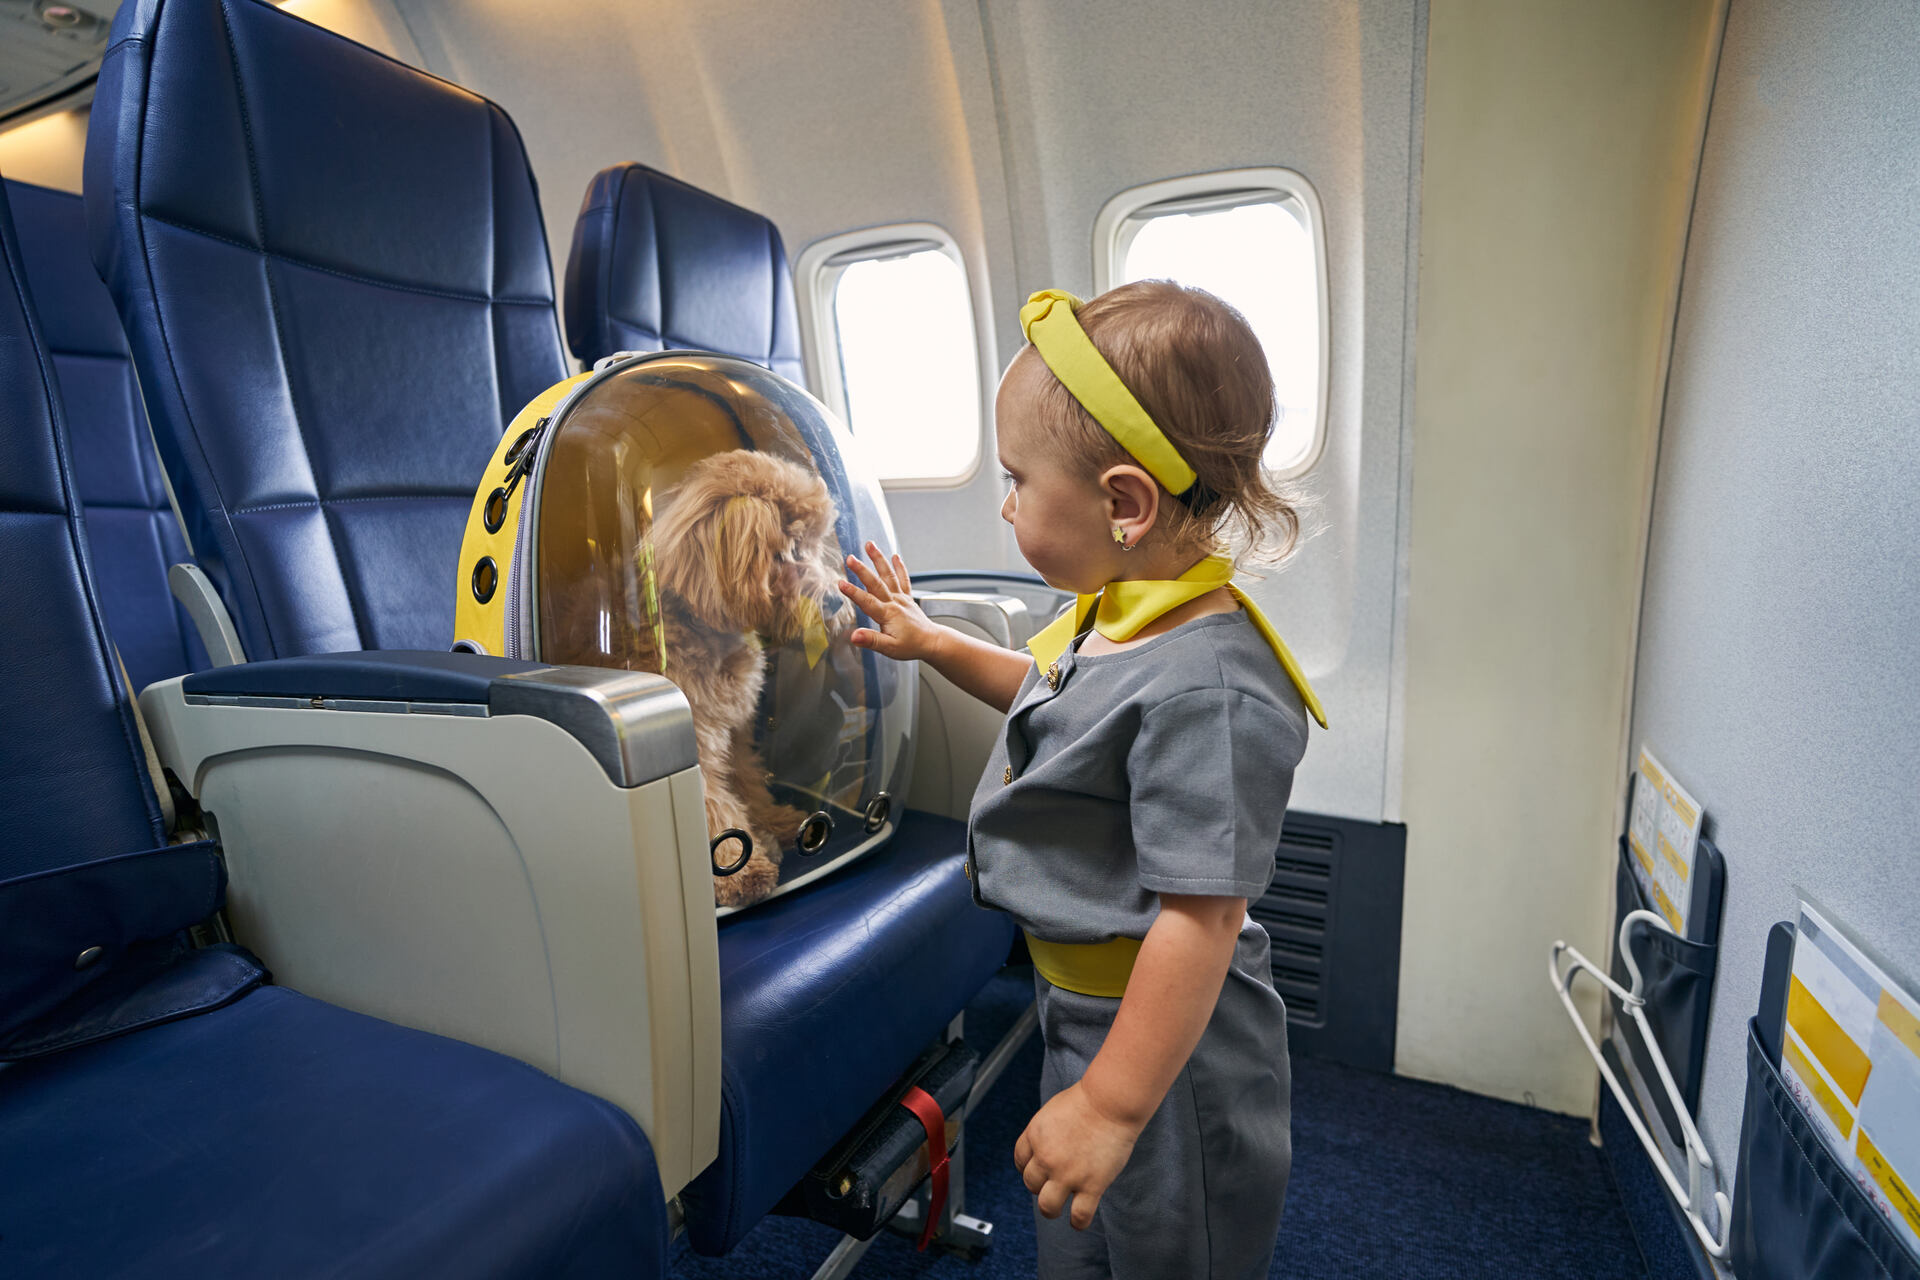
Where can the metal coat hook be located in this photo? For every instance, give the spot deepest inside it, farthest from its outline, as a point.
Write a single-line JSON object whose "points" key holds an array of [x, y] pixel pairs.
{"points": [[1633, 1003]]}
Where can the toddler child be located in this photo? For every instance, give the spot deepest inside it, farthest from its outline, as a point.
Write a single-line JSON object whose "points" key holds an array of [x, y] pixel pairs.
{"points": [[1132, 804]]}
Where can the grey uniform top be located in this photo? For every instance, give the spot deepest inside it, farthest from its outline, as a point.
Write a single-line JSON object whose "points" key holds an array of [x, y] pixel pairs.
{"points": [[1164, 768]]}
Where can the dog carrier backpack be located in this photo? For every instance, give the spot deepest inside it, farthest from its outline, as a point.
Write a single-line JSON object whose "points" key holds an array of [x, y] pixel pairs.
{"points": [[689, 514]]}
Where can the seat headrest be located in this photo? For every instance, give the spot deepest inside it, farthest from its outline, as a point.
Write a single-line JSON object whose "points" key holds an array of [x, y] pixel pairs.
{"points": [[658, 264], [70, 756], [75, 311]]}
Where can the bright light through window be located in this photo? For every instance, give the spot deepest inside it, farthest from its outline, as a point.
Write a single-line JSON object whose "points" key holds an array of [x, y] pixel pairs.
{"points": [[909, 364], [1259, 258]]}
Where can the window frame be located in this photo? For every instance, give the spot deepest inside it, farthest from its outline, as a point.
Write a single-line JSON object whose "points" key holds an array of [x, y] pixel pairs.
{"points": [[1122, 218], [817, 274]]}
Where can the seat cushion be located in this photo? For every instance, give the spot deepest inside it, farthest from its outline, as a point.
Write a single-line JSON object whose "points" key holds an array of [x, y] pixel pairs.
{"points": [[827, 995], [132, 534], [657, 264], [285, 1137]]}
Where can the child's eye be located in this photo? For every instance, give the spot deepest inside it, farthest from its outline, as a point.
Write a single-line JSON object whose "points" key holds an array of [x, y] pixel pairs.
{"points": [[1008, 477]]}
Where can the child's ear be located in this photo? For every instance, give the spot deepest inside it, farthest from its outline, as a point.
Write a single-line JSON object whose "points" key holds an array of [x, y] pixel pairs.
{"points": [[1133, 496]]}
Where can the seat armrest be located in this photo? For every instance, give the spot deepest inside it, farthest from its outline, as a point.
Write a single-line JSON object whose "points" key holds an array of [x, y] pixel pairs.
{"points": [[510, 854], [954, 732], [1042, 602], [1001, 619], [636, 725]]}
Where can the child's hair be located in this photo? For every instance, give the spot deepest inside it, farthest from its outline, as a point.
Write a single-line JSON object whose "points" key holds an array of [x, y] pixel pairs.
{"points": [[1195, 366]]}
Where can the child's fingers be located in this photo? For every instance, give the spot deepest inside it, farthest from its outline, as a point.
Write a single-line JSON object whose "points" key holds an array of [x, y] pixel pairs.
{"points": [[872, 580], [900, 573], [861, 598], [1022, 1151], [1053, 1198], [880, 565], [1083, 1207]]}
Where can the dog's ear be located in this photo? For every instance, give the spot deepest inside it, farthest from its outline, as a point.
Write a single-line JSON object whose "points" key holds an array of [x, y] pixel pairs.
{"points": [[746, 535]]}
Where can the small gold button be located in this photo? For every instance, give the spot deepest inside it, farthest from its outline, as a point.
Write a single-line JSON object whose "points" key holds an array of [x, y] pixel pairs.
{"points": [[967, 867], [1007, 777], [1053, 676]]}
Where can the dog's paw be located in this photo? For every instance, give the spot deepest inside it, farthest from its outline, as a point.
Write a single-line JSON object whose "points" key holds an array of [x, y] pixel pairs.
{"points": [[748, 885]]}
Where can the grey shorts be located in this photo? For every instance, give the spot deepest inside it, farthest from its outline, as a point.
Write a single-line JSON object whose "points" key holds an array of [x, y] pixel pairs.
{"points": [[1200, 1198]]}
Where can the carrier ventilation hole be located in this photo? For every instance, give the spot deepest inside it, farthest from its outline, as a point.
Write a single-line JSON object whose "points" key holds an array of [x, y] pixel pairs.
{"points": [[814, 832], [713, 850], [494, 514], [520, 445], [486, 577], [877, 810]]}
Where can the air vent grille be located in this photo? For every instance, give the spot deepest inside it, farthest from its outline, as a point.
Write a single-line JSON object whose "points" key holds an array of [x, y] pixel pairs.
{"points": [[1297, 911]]}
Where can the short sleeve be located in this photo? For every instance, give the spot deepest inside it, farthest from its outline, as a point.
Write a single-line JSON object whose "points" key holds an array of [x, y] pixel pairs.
{"points": [[1209, 775]]}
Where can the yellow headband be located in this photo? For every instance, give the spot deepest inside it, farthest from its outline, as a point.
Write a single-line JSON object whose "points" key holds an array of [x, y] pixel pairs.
{"points": [[1085, 373]]}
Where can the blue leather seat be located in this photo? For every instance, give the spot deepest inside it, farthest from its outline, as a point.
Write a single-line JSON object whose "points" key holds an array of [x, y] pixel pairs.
{"points": [[829, 992], [658, 264], [828, 995], [333, 266], [161, 1112], [333, 276], [132, 533]]}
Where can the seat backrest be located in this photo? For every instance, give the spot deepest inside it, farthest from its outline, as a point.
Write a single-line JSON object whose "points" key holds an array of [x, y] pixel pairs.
{"points": [[658, 264], [334, 279], [71, 763], [132, 532]]}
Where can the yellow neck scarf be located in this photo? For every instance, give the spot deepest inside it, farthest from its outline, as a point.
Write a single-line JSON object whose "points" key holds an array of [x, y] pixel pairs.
{"points": [[1121, 609]]}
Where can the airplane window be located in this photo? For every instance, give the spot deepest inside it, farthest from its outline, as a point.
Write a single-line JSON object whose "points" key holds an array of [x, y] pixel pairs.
{"points": [[895, 349], [1255, 247], [908, 362]]}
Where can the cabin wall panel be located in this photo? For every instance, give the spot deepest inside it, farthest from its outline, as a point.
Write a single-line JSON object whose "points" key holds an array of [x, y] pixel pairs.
{"points": [[1777, 671], [1561, 140], [1097, 96]]}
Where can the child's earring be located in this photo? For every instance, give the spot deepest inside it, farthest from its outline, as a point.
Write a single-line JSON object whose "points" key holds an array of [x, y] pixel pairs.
{"points": [[1121, 538]]}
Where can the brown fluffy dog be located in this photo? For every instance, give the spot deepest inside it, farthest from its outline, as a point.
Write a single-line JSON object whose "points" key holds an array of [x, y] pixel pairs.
{"points": [[744, 551]]}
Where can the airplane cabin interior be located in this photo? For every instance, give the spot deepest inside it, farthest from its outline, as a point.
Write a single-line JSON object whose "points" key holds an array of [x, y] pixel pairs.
{"points": [[625, 659]]}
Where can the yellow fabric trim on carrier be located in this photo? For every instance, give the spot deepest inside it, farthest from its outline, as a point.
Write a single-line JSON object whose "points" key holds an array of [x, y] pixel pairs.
{"points": [[1085, 373], [484, 623], [1122, 608], [1092, 969]]}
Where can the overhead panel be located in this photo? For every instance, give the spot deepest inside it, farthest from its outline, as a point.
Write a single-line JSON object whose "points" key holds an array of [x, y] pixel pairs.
{"points": [[48, 49]]}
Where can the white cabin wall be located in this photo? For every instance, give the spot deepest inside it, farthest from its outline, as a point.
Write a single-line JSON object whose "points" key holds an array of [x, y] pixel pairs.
{"points": [[1560, 148], [1778, 673], [46, 151], [1098, 96]]}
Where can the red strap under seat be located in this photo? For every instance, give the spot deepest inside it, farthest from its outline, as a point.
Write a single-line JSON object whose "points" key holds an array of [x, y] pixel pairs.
{"points": [[934, 1121]]}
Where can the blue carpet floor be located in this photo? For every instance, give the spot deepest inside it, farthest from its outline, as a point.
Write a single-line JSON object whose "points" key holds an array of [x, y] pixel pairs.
{"points": [[1391, 1178]]}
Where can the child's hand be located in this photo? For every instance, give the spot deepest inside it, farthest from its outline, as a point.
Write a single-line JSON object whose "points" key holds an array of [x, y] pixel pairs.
{"points": [[905, 632], [1071, 1152]]}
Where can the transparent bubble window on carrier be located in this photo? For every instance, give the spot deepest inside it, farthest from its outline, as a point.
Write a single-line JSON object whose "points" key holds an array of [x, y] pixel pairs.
{"points": [[689, 514]]}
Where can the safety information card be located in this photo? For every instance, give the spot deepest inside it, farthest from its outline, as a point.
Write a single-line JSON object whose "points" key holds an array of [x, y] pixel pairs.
{"points": [[1851, 1058], [1664, 834]]}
